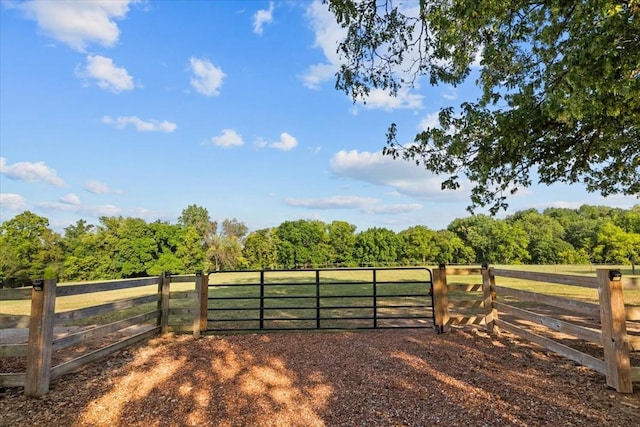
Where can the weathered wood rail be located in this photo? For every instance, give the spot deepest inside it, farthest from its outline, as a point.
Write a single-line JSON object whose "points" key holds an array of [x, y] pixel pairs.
{"points": [[43, 318], [499, 306], [491, 303]]}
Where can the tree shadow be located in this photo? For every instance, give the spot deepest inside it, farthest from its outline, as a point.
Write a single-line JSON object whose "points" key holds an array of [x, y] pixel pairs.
{"points": [[383, 378]]}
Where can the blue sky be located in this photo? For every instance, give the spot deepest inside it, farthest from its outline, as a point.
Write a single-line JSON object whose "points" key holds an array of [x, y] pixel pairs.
{"points": [[141, 108]]}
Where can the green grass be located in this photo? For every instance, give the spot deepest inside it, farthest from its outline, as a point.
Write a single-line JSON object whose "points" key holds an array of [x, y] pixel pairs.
{"points": [[631, 297], [74, 302], [352, 288]]}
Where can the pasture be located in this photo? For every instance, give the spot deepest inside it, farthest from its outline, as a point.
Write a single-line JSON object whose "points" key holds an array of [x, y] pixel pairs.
{"points": [[353, 276]]}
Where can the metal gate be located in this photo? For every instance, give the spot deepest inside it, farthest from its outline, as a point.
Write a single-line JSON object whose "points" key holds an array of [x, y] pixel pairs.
{"points": [[313, 299]]}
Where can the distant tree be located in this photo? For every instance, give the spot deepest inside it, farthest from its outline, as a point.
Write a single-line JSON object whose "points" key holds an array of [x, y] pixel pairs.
{"points": [[221, 250], [168, 239], [29, 249], [190, 251], [224, 253], [474, 232], [198, 217], [234, 229], [74, 233], [377, 246], [559, 82], [451, 249], [81, 252], [341, 241], [493, 241], [629, 220], [224, 250], [418, 245], [546, 244], [303, 243], [136, 249], [616, 246], [261, 249]]}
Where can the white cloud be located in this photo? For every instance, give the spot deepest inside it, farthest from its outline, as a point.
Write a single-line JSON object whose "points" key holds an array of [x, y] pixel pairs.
{"points": [[262, 17], [362, 204], [78, 23], [96, 187], [394, 209], [207, 78], [70, 199], [147, 214], [108, 76], [405, 177], [318, 74], [260, 143], [94, 211], [12, 202], [429, 121], [382, 99], [228, 138], [30, 172], [286, 143], [140, 125], [450, 94], [328, 34], [335, 202]]}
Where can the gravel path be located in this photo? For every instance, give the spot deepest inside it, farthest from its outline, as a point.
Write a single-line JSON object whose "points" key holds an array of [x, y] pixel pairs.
{"points": [[373, 378]]}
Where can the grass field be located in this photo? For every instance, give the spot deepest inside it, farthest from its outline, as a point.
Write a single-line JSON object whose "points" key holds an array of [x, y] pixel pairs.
{"points": [[351, 287], [346, 298], [631, 297]]}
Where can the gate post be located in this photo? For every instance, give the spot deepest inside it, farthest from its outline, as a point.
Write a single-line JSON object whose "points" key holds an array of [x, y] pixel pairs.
{"points": [[440, 298], [197, 306], [614, 331], [43, 304], [165, 287], [490, 312], [204, 302]]}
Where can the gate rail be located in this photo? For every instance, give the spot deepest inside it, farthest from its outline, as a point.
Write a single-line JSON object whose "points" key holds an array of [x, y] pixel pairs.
{"points": [[322, 302]]}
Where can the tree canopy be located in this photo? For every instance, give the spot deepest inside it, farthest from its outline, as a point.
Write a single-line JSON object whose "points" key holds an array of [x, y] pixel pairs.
{"points": [[559, 81], [122, 247]]}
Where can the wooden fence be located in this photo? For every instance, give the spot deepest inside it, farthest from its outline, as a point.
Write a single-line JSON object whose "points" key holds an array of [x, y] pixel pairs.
{"points": [[43, 318], [496, 306], [183, 308]]}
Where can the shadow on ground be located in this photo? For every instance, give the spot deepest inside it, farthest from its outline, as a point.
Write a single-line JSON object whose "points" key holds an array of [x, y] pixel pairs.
{"points": [[373, 378]]}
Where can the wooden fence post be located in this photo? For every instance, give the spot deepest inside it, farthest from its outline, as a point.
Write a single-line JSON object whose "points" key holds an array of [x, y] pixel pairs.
{"points": [[197, 307], [614, 331], [440, 298], [490, 312], [204, 302], [165, 288], [43, 304]]}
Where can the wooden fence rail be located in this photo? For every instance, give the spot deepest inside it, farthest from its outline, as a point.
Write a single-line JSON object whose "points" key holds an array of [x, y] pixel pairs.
{"points": [[42, 342], [609, 317], [179, 304]]}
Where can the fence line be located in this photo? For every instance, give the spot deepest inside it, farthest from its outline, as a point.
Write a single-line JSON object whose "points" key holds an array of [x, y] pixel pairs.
{"points": [[41, 340], [483, 304], [611, 316]]}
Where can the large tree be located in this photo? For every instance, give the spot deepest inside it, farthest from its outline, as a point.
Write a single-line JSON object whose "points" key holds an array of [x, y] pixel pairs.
{"points": [[303, 244], [341, 241], [493, 241], [377, 246], [29, 249], [418, 245], [559, 81], [546, 244], [261, 249]]}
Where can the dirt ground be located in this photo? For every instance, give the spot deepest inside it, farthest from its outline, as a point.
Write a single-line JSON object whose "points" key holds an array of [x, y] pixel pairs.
{"points": [[372, 378]]}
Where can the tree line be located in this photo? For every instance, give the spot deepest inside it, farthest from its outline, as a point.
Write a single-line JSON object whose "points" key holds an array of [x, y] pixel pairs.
{"points": [[123, 247]]}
